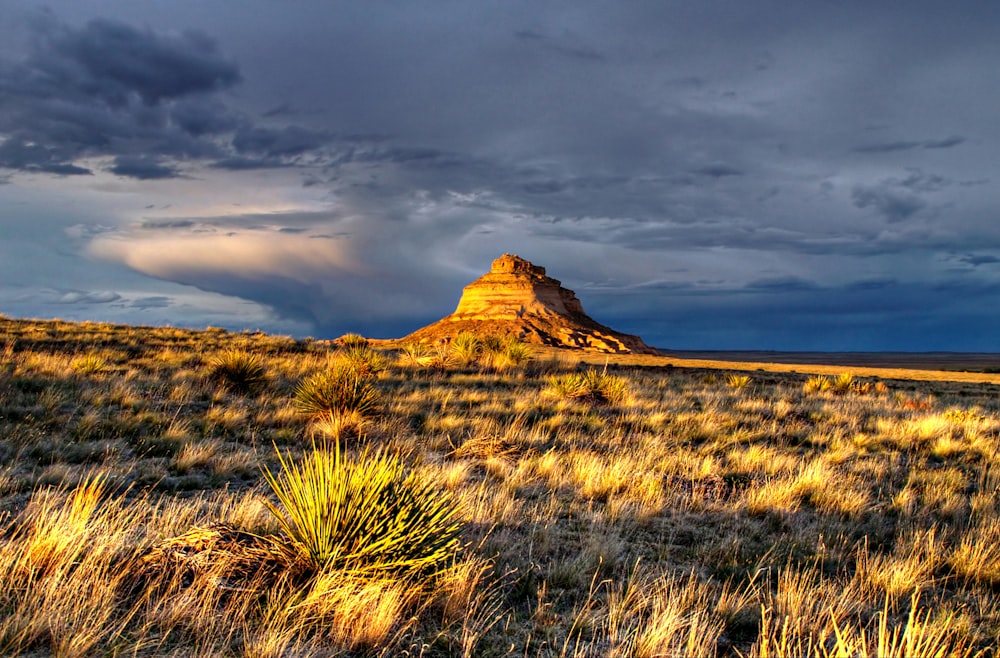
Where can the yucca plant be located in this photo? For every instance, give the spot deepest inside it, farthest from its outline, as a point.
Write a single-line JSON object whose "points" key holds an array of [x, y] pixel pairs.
{"points": [[363, 360], [817, 385], [738, 382], [339, 390], [239, 371], [843, 384], [90, 364], [593, 386], [465, 348], [500, 353], [353, 340], [366, 515]]}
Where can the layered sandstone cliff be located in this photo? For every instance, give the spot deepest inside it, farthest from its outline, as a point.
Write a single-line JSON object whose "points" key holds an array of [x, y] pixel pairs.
{"points": [[518, 298]]}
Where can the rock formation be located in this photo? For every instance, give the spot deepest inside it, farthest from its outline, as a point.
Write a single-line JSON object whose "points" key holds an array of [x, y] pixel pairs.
{"points": [[516, 297]]}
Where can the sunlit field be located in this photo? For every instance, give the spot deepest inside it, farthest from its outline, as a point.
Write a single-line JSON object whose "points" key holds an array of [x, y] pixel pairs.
{"points": [[168, 492]]}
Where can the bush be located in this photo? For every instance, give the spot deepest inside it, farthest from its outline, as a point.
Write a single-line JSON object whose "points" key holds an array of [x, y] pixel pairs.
{"points": [[334, 392], [238, 371], [365, 516]]}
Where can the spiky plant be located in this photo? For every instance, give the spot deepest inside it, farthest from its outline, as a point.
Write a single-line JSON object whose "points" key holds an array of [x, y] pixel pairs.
{"points": [[817, 385], [738, 382], [353, 340], [465, 348], [366, 515], [501, 353], [843, 384], [90, 364], [239, 371], [593, 386], [339, 390], [363, 360]]}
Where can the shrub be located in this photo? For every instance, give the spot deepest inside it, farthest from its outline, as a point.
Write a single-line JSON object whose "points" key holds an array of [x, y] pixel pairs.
{"points": [[238, 371], [337, 391], [365, 516]]}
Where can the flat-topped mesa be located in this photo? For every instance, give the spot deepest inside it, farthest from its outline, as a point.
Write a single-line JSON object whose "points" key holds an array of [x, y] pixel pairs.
{"points": [[517, 298], [512, 288]]}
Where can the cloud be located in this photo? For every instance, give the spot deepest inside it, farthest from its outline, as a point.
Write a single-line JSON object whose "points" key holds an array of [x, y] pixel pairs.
{"points": [[893, 205], [113, 61], [152, 301], [979, 259], [781, 284], [566, 44], [276, 143], [147, 99], [86, 297], [718, 170], [142, 168], [892, 147], [898, 199]]}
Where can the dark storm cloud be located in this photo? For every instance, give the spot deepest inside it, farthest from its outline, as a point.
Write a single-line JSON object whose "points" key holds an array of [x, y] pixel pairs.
{"points": [[276, 143], [781, 284], [898, 199], [142, 168], [891, 147], [112, 61], [718, 170], [110, 89], [979, 259], [566, 44], [892, 204]]}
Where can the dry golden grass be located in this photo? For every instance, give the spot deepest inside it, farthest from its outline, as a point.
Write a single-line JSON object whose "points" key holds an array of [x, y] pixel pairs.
{"points": [[697, 515]]}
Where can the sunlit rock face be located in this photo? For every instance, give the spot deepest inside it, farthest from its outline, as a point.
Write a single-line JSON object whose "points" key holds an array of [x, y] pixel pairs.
{"points": [[516, 297]]}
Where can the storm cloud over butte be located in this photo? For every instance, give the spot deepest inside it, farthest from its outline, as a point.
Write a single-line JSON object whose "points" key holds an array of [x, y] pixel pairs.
{"points": [[708, 175]]}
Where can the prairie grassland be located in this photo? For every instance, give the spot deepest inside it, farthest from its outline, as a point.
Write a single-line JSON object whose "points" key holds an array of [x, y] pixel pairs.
{"points": [[678, 511]]}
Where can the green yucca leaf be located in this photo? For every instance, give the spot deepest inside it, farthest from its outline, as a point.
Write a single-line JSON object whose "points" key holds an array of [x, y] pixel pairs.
{"points": [[341, 390], [591, 386], [239, 371], [363, 360], [365, 515], [465, 348]]}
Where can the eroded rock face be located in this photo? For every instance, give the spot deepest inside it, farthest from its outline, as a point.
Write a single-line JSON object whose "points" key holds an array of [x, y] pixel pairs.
{"points": [[517, 297]]}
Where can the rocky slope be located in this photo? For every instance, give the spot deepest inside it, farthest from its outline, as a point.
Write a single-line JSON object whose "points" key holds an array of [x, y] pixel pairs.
{"points": [[517, 297]]}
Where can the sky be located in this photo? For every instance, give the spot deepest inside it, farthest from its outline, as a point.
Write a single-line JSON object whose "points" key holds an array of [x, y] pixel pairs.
{"points": [[720, 174]]}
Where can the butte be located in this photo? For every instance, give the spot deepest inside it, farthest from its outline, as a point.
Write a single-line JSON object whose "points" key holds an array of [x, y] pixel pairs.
{"points": [[517, 298]]}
